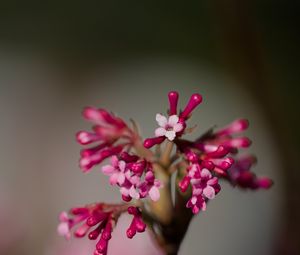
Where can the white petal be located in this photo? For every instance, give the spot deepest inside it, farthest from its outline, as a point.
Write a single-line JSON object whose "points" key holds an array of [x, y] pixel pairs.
{"points": [[170, 135], [133, 193], [178, 127], [114, 179], [160, 131], [173, 119], [161, 120]]}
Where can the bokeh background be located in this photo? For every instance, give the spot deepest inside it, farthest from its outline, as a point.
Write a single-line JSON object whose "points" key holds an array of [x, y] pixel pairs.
{"points": [[58, 56]]}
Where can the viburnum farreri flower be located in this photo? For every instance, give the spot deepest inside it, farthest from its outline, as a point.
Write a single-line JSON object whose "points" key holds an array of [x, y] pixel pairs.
{"points": [[143, 176]]}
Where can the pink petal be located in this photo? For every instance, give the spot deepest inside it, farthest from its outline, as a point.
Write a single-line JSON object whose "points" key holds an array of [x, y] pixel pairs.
{"points": [[173, 120], [122, 165], [133, 193], [161, 120], [121, 178], [154, 193], [135, 180], [197, 192], [114, 161], [160, 131], [209, 192], [113, 180], [205, 173], [212, 181], [108, 169]]}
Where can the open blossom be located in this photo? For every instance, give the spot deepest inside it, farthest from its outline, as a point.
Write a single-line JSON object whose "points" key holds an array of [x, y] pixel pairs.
{"points": [[168, 127]]}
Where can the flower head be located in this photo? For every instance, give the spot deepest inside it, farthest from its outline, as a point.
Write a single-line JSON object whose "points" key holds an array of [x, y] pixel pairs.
{"points": [[139, 173]]}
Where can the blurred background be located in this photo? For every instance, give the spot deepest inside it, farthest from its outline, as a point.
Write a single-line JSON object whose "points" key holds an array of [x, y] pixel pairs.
{"points": [[57, 57]]}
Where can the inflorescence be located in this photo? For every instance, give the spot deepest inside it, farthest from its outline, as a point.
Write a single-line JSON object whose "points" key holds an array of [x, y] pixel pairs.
{"points": [[212, 157]]}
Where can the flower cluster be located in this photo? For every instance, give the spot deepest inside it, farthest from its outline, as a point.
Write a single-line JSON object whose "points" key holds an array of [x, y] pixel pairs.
{"points": [[108, 130], [97, 220], [134, 168], [213, 156], [135, 177]]}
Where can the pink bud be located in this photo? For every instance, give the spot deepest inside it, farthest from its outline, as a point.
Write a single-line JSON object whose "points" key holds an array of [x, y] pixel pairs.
{"points": [[101, 246], [264, 182], [207, 164], [194, 101], [173, 101], [110, 119], [133, 210], [96, 218], [184, 183], [139, 224], [84, 137], [128, 158], [131, 232], [219, 153], [92, 114], [192, 157], [234, 127], [79, 210], [138, 167], [106, 234], [240, 142], [148, 143], [93, 235], [81, 231], [126, 198]]}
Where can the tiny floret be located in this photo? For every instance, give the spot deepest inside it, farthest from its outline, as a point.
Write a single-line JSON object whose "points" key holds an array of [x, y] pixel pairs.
{"points": [[168, 127]]}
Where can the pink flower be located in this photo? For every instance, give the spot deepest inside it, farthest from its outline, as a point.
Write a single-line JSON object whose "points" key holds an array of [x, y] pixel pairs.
{"points": [[116, 171], [204, 186]]}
